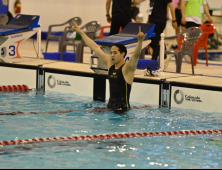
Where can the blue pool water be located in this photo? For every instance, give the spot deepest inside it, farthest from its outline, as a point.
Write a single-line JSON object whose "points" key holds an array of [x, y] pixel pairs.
{"points": [[167, 152]]}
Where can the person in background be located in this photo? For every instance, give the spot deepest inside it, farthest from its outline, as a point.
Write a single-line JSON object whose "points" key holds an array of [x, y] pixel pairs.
{"points": [[135, 9], [192, 12], [139, 18], [180, 26], [214, 43], [158, 17], [121, 14], [210, 11]]}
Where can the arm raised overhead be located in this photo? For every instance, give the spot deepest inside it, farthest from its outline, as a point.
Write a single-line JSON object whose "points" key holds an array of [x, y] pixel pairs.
{"points": [[92, 45]]}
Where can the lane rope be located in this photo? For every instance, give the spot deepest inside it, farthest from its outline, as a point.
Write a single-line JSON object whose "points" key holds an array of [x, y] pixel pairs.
{"points": [[14, 88], [110, 136], [68, 111]]}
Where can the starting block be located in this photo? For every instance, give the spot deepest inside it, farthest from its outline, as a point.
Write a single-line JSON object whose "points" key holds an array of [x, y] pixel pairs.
{"points": [[127, 37], [14, 33]]}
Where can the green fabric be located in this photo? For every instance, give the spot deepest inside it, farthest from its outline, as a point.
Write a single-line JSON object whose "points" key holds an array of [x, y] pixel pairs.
{"points": [[193, 8], [78, 36]]}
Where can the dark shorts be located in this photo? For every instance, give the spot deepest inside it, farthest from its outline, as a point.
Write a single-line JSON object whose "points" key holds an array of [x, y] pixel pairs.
{"points": [[191, 24]]}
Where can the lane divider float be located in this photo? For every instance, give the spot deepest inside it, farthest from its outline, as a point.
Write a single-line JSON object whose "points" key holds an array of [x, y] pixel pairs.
{"points": [[14, 88], [110, 136]]}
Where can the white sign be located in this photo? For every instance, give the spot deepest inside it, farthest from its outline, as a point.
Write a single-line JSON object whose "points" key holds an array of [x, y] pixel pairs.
{"points": [[18, 76], [82, 86], [203, 100]]}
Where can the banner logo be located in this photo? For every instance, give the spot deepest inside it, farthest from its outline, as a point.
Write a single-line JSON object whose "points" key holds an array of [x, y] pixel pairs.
{"points": [[51, 82], [178, 96]]}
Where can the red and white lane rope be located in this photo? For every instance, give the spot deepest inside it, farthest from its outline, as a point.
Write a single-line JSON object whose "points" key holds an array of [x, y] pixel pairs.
{"points": [[14, 88], [68, 111], [110, 136]]}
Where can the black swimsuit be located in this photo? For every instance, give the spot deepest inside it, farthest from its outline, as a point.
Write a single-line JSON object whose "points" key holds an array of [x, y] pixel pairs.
{"points": [[119, 90]]}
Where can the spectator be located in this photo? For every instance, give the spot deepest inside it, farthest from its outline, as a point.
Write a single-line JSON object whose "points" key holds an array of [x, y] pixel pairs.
{"points": [[192, 11], [159, 18], [139, 18], [121, 14], [135, 9], [178, 14]]}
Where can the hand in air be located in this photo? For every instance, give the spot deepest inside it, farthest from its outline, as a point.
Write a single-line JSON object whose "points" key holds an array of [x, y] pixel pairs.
{"points": [[76, 27], [141, 36]]}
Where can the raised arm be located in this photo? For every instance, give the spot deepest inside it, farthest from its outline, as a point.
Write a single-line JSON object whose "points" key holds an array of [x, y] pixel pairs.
{"points": [[131, 65], [91, 44]]}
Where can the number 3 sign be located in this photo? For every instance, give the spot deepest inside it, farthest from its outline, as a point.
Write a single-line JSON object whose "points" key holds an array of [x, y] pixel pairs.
{"points": [[10, 45]]}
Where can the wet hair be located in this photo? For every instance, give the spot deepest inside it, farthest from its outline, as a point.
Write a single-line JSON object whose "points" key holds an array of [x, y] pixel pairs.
{"points": [[121, 47]]}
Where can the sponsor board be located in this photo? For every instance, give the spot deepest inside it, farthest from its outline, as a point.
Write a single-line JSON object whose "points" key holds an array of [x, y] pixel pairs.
{"points": [[18, 76], [198, 99], [82, 86]]}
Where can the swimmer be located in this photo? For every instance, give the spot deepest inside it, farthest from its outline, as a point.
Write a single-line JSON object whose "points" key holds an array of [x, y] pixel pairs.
{"points": [[121, 73]]}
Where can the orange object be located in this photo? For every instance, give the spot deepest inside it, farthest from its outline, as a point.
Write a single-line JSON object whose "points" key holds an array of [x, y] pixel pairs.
{"points": [[5, 88], [180, 43], [26, 88], [9, 88], [102, 32], [207, 29], [120, 29], [17, 7], [14, 88], [21, 88]]}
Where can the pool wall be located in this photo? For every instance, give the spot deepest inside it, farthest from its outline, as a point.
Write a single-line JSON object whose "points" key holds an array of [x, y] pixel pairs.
{"points": [[12, 74], [161, 92], [198, 97]]}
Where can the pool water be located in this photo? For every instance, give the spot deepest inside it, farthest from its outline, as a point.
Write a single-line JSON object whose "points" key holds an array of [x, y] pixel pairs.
{"points": [[166, 152]]}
